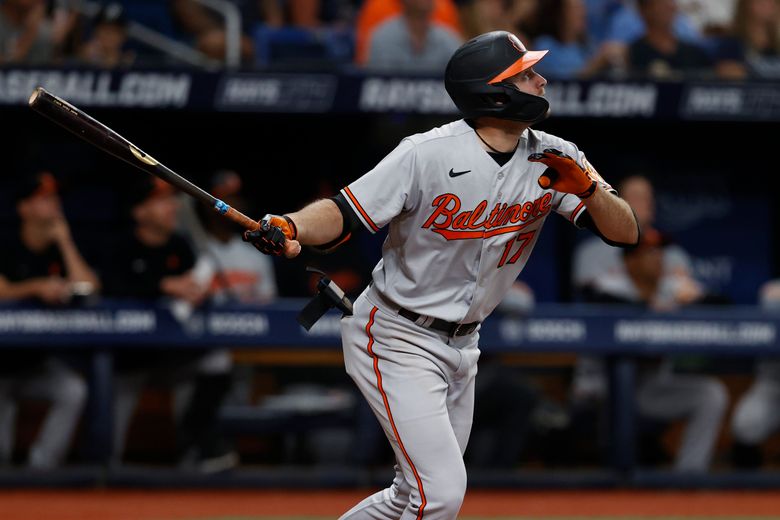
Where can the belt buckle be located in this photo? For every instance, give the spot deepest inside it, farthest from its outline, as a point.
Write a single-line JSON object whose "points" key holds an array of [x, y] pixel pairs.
{"points": [[457, 329]]}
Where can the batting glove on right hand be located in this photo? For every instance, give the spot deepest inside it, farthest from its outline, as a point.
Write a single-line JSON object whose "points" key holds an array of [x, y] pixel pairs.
{"points": [[272, 236], [563, 174]]}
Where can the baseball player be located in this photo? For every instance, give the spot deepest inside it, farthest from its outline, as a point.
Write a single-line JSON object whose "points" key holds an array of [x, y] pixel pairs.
{"points": [[465, 203], [757, 413]]}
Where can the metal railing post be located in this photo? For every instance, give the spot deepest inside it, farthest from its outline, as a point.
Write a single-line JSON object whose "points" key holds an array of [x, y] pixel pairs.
{"points": [[232, 16]]}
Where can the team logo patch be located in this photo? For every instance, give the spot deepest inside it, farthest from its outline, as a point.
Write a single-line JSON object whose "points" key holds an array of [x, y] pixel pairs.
{"points": [[516, 43], [592, 171]]}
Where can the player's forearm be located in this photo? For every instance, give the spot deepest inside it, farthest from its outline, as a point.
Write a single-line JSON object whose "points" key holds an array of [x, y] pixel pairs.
{"points": [[613, 217], [318, 223], [77, 268], [18, 290]]}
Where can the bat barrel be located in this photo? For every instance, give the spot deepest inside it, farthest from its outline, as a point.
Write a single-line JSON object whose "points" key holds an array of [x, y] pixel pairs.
{"points": [[99, 135]]}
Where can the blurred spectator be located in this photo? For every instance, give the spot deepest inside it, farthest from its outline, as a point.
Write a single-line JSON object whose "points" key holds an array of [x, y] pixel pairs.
{"points": [[239, 274], [645, 279], [593, 258], [626, 23], [752, 47], [563, 28], [42, 263], [155, 262], [660, 53], [305, 14], [207, 31], [28, 34], [662, 393], [599, 16], [708, 17], [375, 12], [411, 41], [657, 275], [480, 16], [107, 46], [235, 273], [757, 413]]}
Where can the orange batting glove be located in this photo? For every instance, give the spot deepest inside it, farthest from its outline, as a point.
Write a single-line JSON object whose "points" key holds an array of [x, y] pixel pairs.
{"points": [[563, 174]]}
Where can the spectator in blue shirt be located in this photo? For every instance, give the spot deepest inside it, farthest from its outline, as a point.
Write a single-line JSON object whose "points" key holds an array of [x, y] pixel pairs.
{"points": [[660, 53], [626, 25], [565, 33], [752, 48], [600, 13]]}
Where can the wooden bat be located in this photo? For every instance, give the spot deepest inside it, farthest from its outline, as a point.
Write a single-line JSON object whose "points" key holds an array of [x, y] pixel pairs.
{"points": [[97, 134]]}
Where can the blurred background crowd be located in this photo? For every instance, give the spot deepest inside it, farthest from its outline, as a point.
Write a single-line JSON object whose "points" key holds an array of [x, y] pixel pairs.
{"points": [[728, 39], [77, 227]]}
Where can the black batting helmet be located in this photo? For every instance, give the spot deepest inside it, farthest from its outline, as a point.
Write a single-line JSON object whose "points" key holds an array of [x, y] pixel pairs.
{"points": [[476, 74]]}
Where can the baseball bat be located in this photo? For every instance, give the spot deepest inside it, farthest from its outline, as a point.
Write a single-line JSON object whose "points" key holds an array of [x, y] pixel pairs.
{"points": [[98, 134]]}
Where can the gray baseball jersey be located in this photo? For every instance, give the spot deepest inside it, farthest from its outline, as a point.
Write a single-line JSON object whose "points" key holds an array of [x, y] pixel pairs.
{"points": [[461, 226], [461, 230]]}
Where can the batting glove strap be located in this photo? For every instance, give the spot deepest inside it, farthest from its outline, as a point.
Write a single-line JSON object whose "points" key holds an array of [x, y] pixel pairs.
{"points": [[589, 192], [282, 222], [292, 227]]}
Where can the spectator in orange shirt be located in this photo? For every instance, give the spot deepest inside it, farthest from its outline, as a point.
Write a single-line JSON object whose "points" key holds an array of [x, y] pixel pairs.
{"points": [[411, 41], [374, 12]]}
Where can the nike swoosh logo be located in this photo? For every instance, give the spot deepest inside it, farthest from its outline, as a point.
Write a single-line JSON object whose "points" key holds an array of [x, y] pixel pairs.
{"points": [[456, 174]]}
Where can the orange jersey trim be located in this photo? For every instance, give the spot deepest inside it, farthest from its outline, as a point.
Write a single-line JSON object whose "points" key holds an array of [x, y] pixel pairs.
{"points": [[390, 414], [360, 209], [576, 211]]}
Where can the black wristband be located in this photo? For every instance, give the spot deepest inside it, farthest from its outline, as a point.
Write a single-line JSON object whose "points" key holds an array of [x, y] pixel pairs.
{"points": [[589, 192], [293, 227]]}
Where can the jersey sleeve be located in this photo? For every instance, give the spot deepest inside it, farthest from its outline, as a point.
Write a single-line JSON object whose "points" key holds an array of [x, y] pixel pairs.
{"points": [[570, 206], [386, 190]]}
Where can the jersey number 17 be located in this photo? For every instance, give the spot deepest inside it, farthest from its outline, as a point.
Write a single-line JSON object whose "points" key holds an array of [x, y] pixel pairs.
{"points": [[523, 239]]}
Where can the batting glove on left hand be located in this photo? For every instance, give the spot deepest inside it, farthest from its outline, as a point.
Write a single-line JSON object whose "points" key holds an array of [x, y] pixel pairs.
{"points": [[563, 174], [275, 236]]}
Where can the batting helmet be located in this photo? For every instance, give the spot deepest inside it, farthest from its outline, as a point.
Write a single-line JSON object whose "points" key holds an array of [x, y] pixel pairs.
{"points": [[476, 73]]}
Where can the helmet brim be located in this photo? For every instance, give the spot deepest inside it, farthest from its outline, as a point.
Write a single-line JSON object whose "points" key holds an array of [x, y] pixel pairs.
{"points": [[526, 61]]}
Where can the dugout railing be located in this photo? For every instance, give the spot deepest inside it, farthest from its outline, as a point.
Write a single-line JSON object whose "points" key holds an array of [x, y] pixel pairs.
{"points": [[621, 335]]}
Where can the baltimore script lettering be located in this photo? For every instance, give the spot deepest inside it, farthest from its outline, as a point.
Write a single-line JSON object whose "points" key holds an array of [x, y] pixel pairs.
{"points": [[453, 224]]}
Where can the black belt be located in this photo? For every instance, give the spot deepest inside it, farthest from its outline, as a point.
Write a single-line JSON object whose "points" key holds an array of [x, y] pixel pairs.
{"points": [[448, 327]]}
